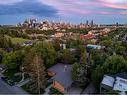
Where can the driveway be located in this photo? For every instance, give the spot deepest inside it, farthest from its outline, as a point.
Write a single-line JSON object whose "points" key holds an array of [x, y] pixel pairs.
{"points": [[90, 89], [74, 90], [7, 89]]}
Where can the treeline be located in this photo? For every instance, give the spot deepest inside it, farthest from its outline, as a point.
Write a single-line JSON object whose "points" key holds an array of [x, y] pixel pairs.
{"points": [[5, 42], [83, 31], [37, 31], [13, 33]]}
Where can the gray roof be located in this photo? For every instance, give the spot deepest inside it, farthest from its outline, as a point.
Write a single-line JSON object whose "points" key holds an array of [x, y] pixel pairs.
{"points": [[122, 75], [108, 80], [63, 74]]}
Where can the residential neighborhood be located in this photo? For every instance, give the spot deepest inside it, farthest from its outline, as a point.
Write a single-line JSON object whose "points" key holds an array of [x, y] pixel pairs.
{"points": [[63, 47], [65, 63]]}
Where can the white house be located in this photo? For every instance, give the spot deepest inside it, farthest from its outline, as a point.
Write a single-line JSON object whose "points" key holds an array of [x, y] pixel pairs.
{"points": [[116, 82]]}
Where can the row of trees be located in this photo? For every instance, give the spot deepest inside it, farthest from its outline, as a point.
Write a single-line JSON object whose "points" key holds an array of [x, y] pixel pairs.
{"points": [[13, 32]]}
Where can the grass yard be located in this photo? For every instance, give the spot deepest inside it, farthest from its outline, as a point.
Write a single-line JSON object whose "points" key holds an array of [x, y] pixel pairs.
{"points": [[18, 40]]}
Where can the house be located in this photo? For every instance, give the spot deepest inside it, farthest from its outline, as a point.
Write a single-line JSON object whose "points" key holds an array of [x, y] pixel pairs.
{"points": [[90, 46], [107, 83], [116, 82], [61, 76], [87, 36], [59, 34]]}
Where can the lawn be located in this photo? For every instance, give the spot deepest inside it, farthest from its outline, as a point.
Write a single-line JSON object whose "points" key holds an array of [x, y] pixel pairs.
{"points": [[18, 40]]}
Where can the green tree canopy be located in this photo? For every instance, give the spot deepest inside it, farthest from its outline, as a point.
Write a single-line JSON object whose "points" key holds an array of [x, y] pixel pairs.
{"points": [[67, 57], [13, 60], [79, 75], [120, 49], [113, 65], [47, 52], [35, 67]]}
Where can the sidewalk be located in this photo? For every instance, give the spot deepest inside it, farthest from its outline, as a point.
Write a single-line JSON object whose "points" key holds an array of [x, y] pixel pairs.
{"points": [[47, 90], [22, 83]]}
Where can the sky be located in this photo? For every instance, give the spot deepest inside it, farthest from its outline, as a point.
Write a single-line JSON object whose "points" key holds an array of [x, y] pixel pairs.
{"points": [[74, 11]]}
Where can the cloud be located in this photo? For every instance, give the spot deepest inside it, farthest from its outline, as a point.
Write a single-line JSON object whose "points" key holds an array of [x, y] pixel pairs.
{"points": [[87, 7], [66, 9], [9, 1], [63, 7], [27, 7], [69, 7], [118, 4]]}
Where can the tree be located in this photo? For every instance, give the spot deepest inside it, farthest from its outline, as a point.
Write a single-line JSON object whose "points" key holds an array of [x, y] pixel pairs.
{"points": [[10, 43], [83, 59], [97, 74], [113, 65], [3, 42], [80, 49], [120, 49], [67, 58], [47, 52], [107, 43], [74, 43], [98, 57], [57, 44], [36, 69], [13, 60], [79, 75], [40, 73]]}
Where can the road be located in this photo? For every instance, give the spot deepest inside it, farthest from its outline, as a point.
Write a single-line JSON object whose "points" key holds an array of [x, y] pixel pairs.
{"points": [[7, 89]]}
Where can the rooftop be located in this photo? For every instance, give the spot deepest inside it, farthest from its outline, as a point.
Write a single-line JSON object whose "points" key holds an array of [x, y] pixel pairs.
{"points": [[117, 82], [108, 80], [94, 46], [63, 74], [120, 84]]}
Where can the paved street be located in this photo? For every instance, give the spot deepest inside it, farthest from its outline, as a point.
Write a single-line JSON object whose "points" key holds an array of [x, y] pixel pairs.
{"points": [[7, 89], [4, 89]]}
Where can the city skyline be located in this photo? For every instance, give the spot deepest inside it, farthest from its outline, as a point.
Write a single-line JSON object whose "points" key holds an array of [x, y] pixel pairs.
{"points": [[75, 11]]}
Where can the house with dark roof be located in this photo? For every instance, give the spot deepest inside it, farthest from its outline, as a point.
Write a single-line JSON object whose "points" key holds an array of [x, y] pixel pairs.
{"points": [[61, 76], [116, 82]]}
